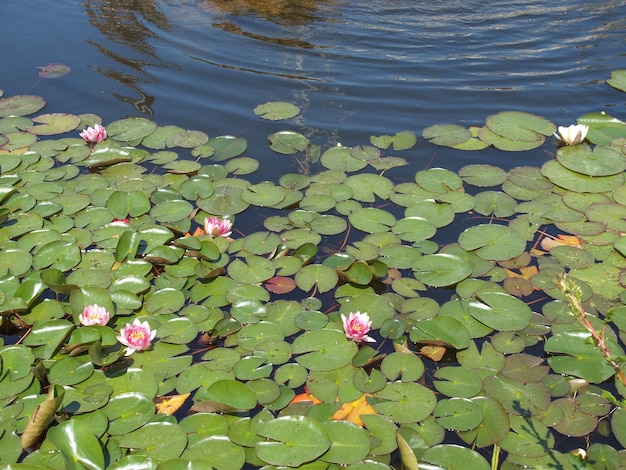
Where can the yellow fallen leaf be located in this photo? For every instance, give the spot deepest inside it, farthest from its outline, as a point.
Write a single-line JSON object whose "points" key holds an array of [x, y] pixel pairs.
{"points": [[306, 396], [352, 411], [170, 404], [434, 353], [528, 271], [569, 240]]}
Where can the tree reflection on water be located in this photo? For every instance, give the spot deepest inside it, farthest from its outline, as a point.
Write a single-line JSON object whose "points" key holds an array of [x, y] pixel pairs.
{"points": [[127, 25]]}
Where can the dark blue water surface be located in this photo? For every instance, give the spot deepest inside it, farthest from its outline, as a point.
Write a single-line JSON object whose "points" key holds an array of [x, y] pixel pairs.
{"points": [[356, 68]]}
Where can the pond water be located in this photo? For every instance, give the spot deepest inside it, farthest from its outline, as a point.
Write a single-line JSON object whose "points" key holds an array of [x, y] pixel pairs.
{"points": [[355, 68]]}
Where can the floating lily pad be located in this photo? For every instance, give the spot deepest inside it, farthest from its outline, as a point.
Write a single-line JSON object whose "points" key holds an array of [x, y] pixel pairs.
{"points": [[53, 70], [50, 124], [276, 110], [340, 158], [457, 382], [130, 129], [446, 134], [601, 161], [188, 139], [482, 175], [17, 140], [459, 414], [226, 146], [492, 242], [323, 350], [441, 269], [292, 440], [288, 142], [520, 126], [504, 143], [405, 402], [574, 181], [441, 330], [20, 105]]}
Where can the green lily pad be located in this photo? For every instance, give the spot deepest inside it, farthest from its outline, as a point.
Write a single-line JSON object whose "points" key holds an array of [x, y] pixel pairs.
{"points": [[366, 187], [494, 427], [518, 398], [316, 275], [20, 105], [127, 412], [441, 329], [323, 350], [441, 269], [507, 144], [131, 129], [407, 367], [413, 229], [226, 147], [618, 80], [276, 110], [18, 140], [188, 139], [528, 437], [492, 242], [574, 181], [603, 128], [601, 161], [107, 156], [156, 440], [263, 194], [292, 440], [579, 357], [349, 443], [520, 126], [51, 124], [482, 175], [182, 167], [500, 311], [241, 166], [446, 134], [77, 443], [458, 382], [405, 402], [459, 414], [372, 220], [340, 158], [215, 451], [232, 393], [288, 142]]}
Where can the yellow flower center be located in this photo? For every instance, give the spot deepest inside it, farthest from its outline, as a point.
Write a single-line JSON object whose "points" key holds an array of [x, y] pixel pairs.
{"points": [[137, 334]]}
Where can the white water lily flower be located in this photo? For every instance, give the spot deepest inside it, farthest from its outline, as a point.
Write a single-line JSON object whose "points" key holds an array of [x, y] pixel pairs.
{"points": [[572, 135]]}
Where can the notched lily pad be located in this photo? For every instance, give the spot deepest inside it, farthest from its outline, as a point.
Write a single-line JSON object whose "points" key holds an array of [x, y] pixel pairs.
{"points": [[57, 123], [601, 161], [20, 105], [446, 134], [276, 110]]}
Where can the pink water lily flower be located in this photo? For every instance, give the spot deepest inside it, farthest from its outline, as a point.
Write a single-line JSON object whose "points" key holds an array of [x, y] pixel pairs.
{"points": [[217, 227], [137, 336], [95, 134], [94, 315], [357, 326], [572, 135]]}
